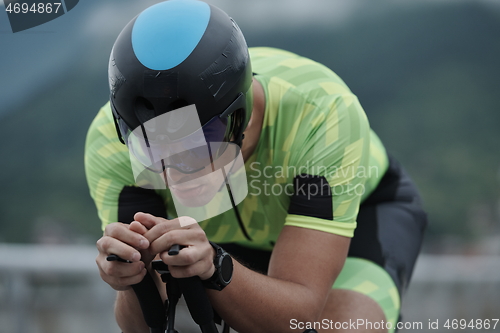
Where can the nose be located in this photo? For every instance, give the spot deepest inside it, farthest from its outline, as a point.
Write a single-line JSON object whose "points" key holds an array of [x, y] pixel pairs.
{"points": [[174, 176]]}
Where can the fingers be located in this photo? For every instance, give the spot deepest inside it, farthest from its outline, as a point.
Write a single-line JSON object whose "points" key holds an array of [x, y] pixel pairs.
{"points": [[149, 221], [138, 227], [187, 256], [120, 276], [164, 241], [195, 259], [124, 234], [162, 227], [109, 245], [119, 269], [191, 261], [120, 240], [125, 241]]}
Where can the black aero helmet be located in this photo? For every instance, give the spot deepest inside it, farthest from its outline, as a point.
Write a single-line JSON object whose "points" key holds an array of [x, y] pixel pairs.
{"points": [[178, 53]]}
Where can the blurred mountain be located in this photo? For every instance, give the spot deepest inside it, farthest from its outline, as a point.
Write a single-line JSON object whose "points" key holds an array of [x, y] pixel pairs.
{"points": [[34, 59], [427, 76]]}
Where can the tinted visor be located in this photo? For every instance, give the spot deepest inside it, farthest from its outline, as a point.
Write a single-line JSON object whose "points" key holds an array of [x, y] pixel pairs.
{"points": [[175, 139]]}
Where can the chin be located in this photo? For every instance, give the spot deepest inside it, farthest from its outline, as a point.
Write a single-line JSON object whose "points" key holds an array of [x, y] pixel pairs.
{"points": [[196, 198]]}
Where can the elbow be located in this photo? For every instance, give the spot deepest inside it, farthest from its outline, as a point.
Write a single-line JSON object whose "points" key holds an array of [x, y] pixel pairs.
{"points": [[310, 310]]}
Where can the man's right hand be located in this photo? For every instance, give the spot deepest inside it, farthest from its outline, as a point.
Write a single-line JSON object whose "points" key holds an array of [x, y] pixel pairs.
{"points": [[127, 242]]}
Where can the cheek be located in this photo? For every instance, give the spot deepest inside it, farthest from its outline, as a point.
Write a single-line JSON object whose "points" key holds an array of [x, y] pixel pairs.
{"points": [[215, 178]]}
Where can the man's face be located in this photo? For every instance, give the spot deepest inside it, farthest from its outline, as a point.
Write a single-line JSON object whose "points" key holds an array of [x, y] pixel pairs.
{"points": [[173, 149], [199, 188]]}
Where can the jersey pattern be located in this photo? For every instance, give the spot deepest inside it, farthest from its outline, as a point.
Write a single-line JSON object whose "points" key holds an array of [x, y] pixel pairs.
{"points": [[313, 126]]}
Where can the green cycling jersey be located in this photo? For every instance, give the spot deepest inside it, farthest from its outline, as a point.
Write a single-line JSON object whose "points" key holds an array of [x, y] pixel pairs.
{"points": [[313, 124]]}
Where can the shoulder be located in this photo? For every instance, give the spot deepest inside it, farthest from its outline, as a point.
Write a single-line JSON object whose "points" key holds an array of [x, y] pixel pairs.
{"points": [[302, 73], [102, 126], [105, 155], [107, 165], [261, 53]]}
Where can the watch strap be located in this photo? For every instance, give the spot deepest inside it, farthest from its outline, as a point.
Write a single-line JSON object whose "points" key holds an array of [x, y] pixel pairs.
{"points": [[215, 281]]}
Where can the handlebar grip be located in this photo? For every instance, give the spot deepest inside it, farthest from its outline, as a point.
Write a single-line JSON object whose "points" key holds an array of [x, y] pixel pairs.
{"points": [[151, 303], [198, 303]]}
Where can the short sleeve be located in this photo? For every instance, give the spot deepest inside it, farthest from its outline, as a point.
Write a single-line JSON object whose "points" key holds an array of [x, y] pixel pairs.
{"points": [[334, 155], [107, 166]]}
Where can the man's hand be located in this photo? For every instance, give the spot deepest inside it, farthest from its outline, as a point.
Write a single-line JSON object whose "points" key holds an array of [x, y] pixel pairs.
{"points": [[196, 259], [126, 241]]}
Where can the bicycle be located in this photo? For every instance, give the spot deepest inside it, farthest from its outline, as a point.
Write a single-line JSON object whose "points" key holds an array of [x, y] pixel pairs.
{"points": [[159, 316]]}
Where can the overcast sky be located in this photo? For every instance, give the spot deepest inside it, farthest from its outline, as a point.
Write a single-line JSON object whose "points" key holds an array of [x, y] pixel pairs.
{"points": [[45, 51]]}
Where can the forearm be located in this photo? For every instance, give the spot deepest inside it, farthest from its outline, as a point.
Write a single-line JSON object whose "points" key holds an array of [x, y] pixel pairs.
{"points": [[128, 313], [253, 302]]}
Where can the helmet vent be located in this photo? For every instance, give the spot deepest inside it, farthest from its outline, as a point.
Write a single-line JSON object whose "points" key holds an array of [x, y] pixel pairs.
{"points": [[144, 110]]}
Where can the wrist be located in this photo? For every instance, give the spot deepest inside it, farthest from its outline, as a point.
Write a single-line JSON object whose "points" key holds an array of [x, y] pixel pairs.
{"points": [[223, 272], [208, 274]]}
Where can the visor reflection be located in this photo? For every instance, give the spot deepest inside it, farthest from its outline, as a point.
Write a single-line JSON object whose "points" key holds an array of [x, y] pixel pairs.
{"points": [[159, 143]]}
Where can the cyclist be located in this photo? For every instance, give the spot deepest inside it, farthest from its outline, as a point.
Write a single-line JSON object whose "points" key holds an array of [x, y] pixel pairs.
{"points": [[331, 227]]}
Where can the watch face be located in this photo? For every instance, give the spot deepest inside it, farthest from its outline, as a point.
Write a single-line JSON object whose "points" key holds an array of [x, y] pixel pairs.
{"points": [[226, 268]]}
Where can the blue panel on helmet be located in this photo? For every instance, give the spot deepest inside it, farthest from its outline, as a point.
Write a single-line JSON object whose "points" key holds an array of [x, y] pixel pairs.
{"points": [[165, 34]]}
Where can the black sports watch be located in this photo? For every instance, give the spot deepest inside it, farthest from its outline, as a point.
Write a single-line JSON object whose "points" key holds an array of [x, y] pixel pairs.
{"points": [[223, 269]]}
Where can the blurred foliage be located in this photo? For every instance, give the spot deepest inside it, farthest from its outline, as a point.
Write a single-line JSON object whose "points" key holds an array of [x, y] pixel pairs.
{"points": [[427, 76], [42, 167]]}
